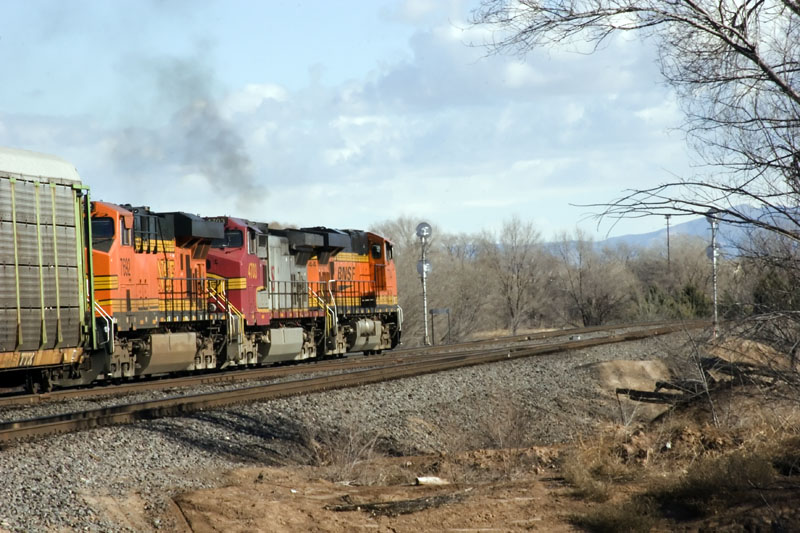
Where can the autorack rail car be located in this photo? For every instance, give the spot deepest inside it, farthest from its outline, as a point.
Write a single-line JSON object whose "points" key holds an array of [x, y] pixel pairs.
{"points": [[45, 302], [93, 291]]}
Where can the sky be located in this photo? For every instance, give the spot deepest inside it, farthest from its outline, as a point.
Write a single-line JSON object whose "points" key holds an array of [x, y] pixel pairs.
{"points": [[340, 114]]}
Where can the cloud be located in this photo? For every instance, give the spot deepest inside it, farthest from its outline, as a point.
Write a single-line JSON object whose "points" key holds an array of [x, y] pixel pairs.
{"points": [[445, 133], [251, 97], [519, 75]]}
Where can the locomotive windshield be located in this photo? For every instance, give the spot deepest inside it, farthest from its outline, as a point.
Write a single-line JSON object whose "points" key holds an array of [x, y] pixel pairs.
{"points": [[102, 233], [233, 239]]}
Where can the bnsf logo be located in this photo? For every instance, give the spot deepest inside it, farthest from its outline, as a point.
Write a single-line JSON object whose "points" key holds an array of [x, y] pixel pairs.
{"points": [[346, 273]]}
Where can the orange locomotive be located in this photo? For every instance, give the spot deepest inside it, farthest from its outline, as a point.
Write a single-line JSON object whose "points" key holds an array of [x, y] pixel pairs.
{"points": [[361, 285], [153, 293]]}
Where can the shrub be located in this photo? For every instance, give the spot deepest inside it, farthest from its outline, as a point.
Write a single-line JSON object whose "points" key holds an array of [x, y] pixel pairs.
{"points": [[713, 482], [633, 517]]}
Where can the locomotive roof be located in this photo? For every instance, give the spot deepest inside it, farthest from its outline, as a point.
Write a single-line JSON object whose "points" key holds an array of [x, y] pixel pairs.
{"points": [[16, 162]]}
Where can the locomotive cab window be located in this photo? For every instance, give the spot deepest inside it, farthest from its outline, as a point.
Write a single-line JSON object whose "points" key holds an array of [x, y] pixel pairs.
{"points": [[389, 254], [125, 232], [251, 241], [263, 244], [377, 250], [102, 233]]}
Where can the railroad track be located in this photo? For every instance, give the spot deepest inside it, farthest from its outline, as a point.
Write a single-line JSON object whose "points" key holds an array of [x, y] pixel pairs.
{"points": [[397, 367], [232, 377]]}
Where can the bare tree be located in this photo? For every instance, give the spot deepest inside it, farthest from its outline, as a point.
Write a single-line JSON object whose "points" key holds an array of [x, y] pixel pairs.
{"points": [[678, 289], [514, 259], [766, 290], [460, 286], [735, 66], [596, 286]]}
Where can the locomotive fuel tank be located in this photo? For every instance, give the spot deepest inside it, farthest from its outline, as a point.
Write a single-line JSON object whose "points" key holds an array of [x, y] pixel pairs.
{"points": [[365, 335]]}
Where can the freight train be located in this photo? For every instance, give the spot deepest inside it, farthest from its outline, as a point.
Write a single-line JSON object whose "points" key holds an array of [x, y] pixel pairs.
{"points": [[93, 291]]}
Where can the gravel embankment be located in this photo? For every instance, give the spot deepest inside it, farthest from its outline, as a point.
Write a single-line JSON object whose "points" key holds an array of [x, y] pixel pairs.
{"points": [[54, 483]]}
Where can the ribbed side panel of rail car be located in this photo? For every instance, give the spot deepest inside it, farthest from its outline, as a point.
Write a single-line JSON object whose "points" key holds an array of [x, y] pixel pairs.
{"points": [[42, 298]]}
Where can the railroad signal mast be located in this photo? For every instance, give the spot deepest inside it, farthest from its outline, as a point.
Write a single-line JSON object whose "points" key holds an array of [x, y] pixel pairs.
{"points": [[713, 253], [424, 232]]}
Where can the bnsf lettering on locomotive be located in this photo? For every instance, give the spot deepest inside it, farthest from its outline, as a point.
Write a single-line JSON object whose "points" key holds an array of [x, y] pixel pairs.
{"points": [[347, 273], [166, 268]]}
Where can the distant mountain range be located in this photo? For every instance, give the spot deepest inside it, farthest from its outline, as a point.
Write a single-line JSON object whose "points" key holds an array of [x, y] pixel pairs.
{"points": [[698, 227], [728, 234]]}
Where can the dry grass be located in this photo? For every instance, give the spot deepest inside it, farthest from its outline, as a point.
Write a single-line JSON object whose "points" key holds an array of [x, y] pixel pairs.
{"points": [[711, 486], [351, 457], [593, 467], [503, 424], [632, 517], [686, 469], [500, 433], [786, 459], [716, 483]]}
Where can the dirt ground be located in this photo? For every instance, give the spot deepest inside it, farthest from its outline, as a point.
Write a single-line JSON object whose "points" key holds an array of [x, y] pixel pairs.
{"points": [[289, 500], [537, 488]]}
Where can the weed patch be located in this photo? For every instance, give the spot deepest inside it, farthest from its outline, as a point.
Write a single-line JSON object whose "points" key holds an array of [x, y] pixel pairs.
{"points": [[634, 516], [716, 483]]}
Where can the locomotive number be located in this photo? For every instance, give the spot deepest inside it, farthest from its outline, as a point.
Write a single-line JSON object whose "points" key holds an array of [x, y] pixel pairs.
{"points": [[252, 271], [346, 273], [125, 266]]}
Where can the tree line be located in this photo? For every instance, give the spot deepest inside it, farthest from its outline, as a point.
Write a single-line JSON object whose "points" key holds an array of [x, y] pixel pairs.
{"points": [[734, 67], [511, 281]]}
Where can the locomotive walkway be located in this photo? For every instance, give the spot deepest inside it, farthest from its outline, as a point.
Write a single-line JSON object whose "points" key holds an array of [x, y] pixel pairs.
{"points": [[360, 371]]}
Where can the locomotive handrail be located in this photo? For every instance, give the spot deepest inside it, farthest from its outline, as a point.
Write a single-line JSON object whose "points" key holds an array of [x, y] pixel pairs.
{"points": [[109, 320], [286, 294], [333, 298], [328, 312], [235, 317]]}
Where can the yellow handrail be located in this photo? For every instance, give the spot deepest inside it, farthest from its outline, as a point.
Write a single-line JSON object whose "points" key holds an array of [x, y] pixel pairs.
{"points": [[234, 313]]}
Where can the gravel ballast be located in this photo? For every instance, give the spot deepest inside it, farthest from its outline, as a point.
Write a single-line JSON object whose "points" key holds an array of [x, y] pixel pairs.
{"points": [[55, 483]]}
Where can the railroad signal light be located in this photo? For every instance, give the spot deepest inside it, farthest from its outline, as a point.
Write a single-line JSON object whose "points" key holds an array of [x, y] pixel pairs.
{"points": [[424, 231]]}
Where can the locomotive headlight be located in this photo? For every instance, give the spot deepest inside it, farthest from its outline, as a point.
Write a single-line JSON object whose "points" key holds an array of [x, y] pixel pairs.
{"points": [[212, 307]]}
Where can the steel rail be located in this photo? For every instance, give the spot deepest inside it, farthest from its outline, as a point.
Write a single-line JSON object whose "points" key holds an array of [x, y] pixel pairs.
{"points": [[185, 405], [307, 367]]}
